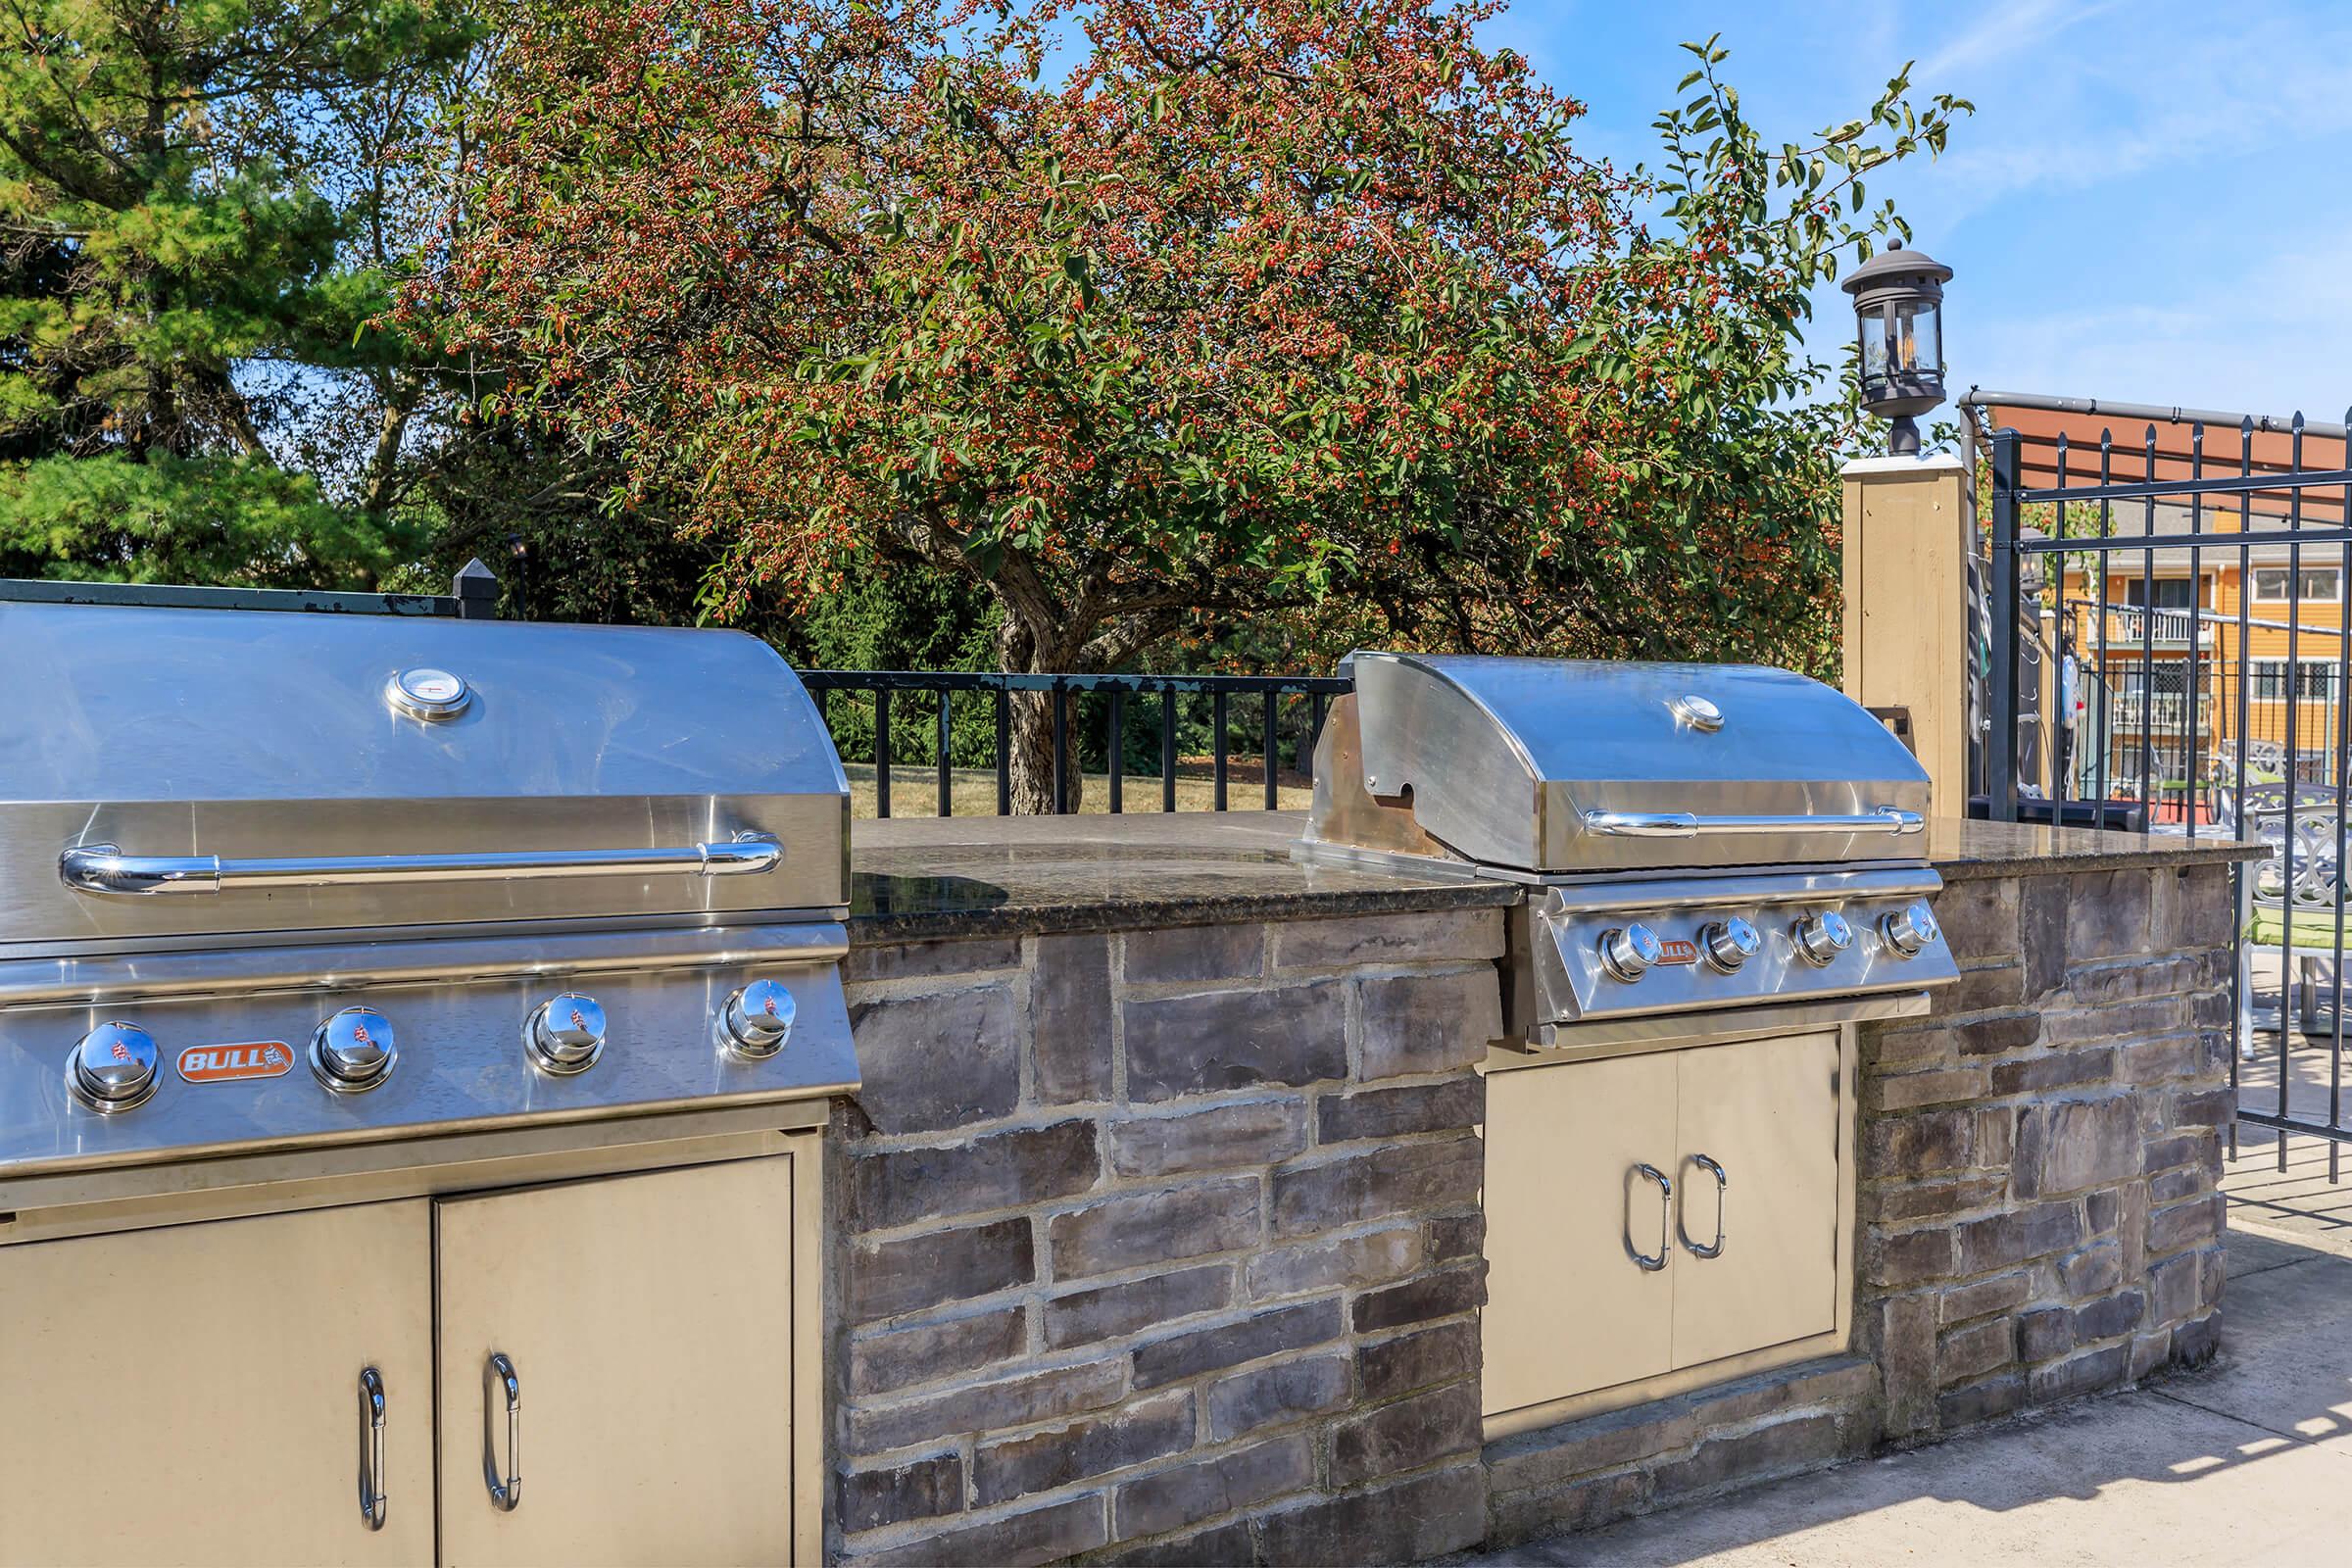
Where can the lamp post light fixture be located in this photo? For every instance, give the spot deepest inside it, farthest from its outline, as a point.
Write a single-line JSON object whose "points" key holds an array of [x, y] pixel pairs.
{"points": [[1898, 315]]}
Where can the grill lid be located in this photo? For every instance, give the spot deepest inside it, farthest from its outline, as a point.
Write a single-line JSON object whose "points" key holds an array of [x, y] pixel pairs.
{"points": [[1554, 765], [260, 771]]}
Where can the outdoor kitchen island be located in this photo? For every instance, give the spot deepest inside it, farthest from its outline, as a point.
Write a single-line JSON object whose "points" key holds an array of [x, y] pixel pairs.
{"points": [[1157, 1229]]}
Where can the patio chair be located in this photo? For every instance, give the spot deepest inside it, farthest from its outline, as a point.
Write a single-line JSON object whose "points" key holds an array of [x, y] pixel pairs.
{"points": [[2309, 911]]}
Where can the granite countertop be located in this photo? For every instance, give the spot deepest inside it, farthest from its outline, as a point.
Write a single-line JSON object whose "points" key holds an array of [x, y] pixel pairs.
{"points": [[1960, 849], [915, 878], [923, 877]]}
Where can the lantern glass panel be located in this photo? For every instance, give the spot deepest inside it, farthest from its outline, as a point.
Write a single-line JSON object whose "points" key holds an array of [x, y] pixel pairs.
{"points": [[1873, 355], [1917, 348]]}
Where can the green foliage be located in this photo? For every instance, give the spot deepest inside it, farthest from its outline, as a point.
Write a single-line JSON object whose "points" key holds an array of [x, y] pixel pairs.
{"points": [[178, 212], [906, 615], [1278, 310], [206, 519]]}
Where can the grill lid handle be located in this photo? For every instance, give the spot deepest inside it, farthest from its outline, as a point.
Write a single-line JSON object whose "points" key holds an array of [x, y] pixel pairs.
{"points": [[104, 868], [1686, 826]]}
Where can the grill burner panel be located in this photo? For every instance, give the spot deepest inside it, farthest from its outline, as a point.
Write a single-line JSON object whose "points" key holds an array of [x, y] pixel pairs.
{"points": [[465, 1061], [1570, 926]]}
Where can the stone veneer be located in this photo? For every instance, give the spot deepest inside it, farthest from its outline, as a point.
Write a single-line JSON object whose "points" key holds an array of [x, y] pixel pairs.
{"points": [[2039, 1213], [1164, 1240], [1163, 1245]]}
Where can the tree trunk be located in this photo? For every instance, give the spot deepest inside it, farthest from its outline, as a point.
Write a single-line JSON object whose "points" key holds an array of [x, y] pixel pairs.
{"points": [[1021, 650]]}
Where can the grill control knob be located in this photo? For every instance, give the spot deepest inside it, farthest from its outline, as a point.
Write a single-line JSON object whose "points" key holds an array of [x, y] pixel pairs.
{"points": [[1908, 931], [1822, 937], [353, 1052], [759, 1019], [113, 1068], [1628, 950], [1729, 944], [566, 1034]]}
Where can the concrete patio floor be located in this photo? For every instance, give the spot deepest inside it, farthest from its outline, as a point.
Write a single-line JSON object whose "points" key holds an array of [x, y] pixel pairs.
{"points": [[2249, 1460]]}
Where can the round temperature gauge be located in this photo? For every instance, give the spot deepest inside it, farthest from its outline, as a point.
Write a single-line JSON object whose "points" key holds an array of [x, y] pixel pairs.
{"points": [[431, 695]]}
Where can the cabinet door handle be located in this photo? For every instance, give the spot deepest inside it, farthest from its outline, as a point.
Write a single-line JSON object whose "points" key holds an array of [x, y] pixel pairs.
{"points": [[503, 1494], [1665, 1219], [1723, 1185], [371, 1447]]}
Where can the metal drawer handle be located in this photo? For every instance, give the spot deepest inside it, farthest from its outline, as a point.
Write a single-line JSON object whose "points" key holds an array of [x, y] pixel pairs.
{"points": [[1665, 1220], [371, 1447], [1723, 1185], [503, 1494], [104, 868], [1687, 825]]}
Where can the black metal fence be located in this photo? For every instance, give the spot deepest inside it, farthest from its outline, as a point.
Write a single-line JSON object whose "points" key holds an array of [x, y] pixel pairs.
{"points": [[2193, 601], [1094, 718]]}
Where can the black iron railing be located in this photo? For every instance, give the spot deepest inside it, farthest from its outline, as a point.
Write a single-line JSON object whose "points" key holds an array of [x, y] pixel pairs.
{"points": [[1291, 704], [2198, 592]]}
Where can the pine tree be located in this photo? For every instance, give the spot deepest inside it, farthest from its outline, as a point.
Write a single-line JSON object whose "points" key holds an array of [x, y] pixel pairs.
{"points": [[192, 205]]}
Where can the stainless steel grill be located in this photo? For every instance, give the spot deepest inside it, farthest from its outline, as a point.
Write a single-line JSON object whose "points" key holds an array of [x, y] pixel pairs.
{"points": [[1694, 837], [1722, 881], [317, 916]]}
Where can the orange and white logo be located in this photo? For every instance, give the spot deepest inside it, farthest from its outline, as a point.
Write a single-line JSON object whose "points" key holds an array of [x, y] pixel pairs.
{"points": [[220, 1065], [1677, 950]]}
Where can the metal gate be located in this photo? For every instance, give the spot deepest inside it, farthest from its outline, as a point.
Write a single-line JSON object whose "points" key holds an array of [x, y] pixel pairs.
{"points": [[2187, 591]]}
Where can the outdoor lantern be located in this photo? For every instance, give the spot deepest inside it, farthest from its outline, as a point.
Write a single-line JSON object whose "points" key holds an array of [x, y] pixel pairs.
{"points": [[1898, 314]]}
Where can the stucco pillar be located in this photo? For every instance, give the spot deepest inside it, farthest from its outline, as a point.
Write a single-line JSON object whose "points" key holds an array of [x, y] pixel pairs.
{"points": [[1906, 607]]}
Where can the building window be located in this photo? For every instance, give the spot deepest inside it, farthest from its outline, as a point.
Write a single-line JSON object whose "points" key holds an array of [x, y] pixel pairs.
{"points": [[2314, 677], [2320, 584], [2171, 593]]}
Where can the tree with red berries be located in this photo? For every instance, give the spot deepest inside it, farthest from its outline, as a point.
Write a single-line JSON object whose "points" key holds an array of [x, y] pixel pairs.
{"points": [[1146, 311]]}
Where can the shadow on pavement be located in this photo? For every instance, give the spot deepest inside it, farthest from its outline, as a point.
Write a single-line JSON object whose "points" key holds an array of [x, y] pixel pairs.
{"points": [[2249, 1460]]}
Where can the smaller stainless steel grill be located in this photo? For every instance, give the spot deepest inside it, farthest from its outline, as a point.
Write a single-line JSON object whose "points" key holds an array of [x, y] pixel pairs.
{"points": [[1694, 837], [1722, 879]]}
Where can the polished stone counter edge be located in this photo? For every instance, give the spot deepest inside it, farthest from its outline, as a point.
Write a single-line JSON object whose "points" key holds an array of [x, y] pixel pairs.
{"points": [[1046, 919], [931, 880], [1963, 850]]}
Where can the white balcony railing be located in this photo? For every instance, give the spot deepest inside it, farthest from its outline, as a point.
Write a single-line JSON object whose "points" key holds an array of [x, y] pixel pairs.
{"points": [[2128, 626]]}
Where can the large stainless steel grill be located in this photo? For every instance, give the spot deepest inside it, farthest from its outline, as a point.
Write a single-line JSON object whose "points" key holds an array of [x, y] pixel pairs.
{"points": [[1722, 878], [377, 925], [1692, 836]]}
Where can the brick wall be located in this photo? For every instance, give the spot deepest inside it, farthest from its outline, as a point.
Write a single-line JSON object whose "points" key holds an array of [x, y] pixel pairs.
{"points": [[1163, 1245], [2039, 1212]]}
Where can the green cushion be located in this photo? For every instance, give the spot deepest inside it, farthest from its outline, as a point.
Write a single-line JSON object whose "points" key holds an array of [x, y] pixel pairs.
{"points": [[2314, 928]]}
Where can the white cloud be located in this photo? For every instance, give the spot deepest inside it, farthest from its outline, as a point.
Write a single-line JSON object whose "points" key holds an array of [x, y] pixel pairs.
{"points": [[2005, 32], [2126, 97]]}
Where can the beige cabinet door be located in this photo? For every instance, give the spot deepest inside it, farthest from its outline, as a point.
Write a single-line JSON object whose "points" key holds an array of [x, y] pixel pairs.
{"points": [[1766, 1111], [648, 1320], [191, 1394], [1569, 1308]]}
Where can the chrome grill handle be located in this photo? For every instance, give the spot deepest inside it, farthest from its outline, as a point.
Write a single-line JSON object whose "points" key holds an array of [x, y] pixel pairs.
{"points": [[371, 1447], [506, 1493], [1689, 825], [104, 868], [1723, 1185], [1665, 1250]]}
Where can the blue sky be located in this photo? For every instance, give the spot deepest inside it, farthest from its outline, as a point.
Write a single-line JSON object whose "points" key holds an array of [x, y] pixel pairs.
{"points": [[2153, 202]]}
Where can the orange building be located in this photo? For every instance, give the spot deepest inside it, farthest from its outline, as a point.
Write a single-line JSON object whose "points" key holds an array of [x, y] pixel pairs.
{"points": [[2255, 636]]}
